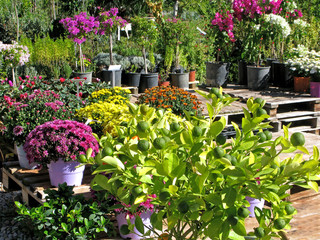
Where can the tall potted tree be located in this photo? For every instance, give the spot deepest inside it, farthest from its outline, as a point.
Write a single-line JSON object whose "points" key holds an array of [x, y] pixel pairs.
{"points": [[220, 31], [79, 27], [109, 22], [145, 33]]}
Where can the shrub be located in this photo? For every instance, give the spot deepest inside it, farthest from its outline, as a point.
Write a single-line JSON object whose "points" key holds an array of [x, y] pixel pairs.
{"points": [[171, 97]]}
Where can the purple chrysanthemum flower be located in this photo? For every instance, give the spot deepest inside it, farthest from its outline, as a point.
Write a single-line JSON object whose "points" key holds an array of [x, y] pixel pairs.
{"points": [[18, 130]]}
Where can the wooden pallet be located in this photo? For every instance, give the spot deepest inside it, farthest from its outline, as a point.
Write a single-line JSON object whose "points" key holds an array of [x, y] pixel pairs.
{"points": [[33, 183]]}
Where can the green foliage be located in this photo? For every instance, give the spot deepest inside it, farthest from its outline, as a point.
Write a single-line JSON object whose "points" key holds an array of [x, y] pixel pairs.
{"points": [[206, 188], [65, 216]]}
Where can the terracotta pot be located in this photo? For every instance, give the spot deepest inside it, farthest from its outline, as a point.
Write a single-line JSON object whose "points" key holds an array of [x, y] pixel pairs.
{"points": [[192, 76], [301, 84], [165, 83]]}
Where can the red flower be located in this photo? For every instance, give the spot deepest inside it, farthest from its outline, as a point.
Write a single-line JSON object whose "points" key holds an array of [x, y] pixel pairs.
{"points": [[62, 80], [33, 83]]}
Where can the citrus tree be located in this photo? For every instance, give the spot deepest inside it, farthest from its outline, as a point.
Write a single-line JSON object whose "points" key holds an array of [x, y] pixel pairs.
{"points": [[200, 179]]}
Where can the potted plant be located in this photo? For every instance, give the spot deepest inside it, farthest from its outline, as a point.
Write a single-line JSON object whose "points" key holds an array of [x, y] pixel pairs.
{"points": [[173, 33], [57, 145], [44, 105], [145, 33], [79, 27], [304, 64], [200, 180], [220, 31], [13, 55], [109, 23]]}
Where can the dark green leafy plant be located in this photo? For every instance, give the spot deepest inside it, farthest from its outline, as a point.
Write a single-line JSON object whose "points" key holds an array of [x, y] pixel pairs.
{"points": [[65, 216]]}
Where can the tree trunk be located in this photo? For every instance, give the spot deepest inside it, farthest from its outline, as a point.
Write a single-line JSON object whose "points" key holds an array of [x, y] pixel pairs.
{"points": [[17, 19], [53, 10], [175, 8], [110, 50], [144, 59], [177, 62]]}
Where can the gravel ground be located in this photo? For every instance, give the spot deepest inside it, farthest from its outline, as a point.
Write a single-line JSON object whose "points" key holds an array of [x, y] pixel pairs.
{"points": [[10, 229]]}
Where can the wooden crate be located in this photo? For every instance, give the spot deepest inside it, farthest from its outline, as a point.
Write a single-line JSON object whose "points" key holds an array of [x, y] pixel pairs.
{"points": [[33, 183]]}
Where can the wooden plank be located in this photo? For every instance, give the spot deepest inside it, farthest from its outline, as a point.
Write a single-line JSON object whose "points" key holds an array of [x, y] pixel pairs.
{"points": [[298, 119], [10, 164], [295, 114], [22, 173], [35, 179]]}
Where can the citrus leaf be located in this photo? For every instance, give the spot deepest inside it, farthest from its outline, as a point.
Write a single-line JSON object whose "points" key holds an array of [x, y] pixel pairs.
{"points": [[139, 224], [113, 162]]}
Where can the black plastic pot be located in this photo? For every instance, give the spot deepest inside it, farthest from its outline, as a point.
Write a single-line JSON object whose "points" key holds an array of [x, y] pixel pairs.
{"points": [[133, 79], [107, 77], [216, 74], [148, 80], [258, 77], [281, 75]]}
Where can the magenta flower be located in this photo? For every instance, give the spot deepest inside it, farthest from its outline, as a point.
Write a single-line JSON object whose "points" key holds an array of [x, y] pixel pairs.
{"points": [[18, 130]]}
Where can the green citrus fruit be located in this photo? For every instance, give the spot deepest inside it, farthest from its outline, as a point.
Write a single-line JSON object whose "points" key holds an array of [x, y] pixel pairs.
{"points": [[197, 131], [136, 191], [231, 158], [259, 232], [215, 91], [219, 95], [221, 139], [82, 159], [159, 143], [243, 212], [174, 126], [261, 111], [218, 152], [143, 145], [262, 137], [233, 220], [297, 139], [144, 109], [183, 207], [279, 223], [124, 229], [258, 100], [289, 209], [143, 126], [165, 131], [164, 195], [268, 134], [107, 151]]}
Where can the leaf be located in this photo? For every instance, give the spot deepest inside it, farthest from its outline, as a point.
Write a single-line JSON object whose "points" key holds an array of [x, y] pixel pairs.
{"points": [[246, 145], [64, 227], [210, 110], [102, 181], [195, 148], [303, 149], [89, 153], [173, 189], [246, 113], [315, 153], [240, 228], [139, 224], [179, 170], [215, 128], [140, 199], [203, 94], [113, 162], [246, 125], [185, 137], [172, 220], [313, 185], [230, 197], [207, 216]]}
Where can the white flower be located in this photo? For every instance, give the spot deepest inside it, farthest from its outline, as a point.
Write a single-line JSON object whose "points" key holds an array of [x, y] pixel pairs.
{"points": [[280, 23], [300, 23]]}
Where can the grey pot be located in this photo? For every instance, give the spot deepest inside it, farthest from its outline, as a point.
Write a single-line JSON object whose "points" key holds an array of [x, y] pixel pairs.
{"points": [[148, 80], [107, 77], [180, 80], [258, 77], [216, 74]]}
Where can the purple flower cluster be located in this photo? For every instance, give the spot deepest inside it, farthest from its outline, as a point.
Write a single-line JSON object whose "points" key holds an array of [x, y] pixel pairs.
{"points": [[225, 23], [255, 8], [59, 139], [79, 26], [109, 20]]}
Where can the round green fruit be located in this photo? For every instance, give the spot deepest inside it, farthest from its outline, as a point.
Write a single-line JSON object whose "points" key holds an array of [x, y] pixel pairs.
{"points": [[143, 126], [258, 100], [260, 112], [219, 95], [215, 91], [165, 131], [183, 207], [218, 152], [197, 131], [233, 220], [164, 196], [107, 151], [259, 232], [289, 209], [221, 139], [124, 229], [136, 191], [268, 134], [174, 127], [279, 223], [143, 145], [297, 139], [262, 137], [159, 143], [144, 109], [243, 212]]}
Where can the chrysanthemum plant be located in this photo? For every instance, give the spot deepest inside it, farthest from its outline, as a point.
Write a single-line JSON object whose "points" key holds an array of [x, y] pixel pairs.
{"points": [[200, 180]]}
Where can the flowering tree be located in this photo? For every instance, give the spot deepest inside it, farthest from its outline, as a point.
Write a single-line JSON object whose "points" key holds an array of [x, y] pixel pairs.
{"points": [[109, 22], [79, 27], [14, 55]]}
